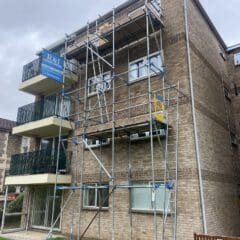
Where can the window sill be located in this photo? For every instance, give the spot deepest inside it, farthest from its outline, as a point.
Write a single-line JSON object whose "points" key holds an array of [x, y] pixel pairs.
{"points": [[95, 93], [92, 94], [142, 78], [145, 211], [103, 209]]}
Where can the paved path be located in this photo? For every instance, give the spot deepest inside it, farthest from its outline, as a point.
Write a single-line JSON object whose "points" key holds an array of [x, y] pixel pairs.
{"points": [[27, 235]]}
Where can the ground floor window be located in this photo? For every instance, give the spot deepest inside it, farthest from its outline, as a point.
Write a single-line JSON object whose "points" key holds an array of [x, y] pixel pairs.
{"points": [[42, 205], [144, 196], [95, 195]]}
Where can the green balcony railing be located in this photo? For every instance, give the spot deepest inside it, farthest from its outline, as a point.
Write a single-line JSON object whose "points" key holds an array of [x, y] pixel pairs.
{"points": [[47, 107], [37, 162]]}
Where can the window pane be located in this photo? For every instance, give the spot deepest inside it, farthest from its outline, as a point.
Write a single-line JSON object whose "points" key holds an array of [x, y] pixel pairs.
{"points": [[142, 69], [93, 85], [161, 194], [156, 4], [141, 197], [237, 59], [106, 81], [100, 83], [133, 74], [102, 197], [89, 198], [156, 64]]}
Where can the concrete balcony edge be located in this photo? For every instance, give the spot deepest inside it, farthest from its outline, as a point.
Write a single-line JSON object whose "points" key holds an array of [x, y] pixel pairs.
{"points": [[37, 179], [44, 128], [42, 85]]}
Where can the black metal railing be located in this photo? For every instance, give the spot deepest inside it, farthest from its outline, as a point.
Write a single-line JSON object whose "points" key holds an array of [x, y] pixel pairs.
{"points": [[47, 107], [33, 69], [37, 162]]}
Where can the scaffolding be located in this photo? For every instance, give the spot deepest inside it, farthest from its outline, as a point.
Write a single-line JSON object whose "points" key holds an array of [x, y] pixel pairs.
{"points": [[158, 109], [107, 116]]}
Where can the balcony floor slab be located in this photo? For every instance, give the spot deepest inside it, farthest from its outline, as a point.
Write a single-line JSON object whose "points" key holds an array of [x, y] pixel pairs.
{"points": [[44, 128], [42, 85], [37, 179]]}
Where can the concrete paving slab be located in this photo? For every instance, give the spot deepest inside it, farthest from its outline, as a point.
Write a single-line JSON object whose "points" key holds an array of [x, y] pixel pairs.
{"points": [[27, 235]]}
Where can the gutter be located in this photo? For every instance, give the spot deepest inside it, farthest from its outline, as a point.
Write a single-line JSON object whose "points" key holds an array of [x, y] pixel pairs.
{"points": [[234, 47]]}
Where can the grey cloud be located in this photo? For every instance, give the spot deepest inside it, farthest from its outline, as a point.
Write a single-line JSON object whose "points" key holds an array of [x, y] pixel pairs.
{"points": [[25, 27], [28, 25], [225, 16]]}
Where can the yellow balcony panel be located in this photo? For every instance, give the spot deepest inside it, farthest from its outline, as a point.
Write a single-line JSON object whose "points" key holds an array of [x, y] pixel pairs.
{"points": [[44, 128], [42, 85], [37, 179]]}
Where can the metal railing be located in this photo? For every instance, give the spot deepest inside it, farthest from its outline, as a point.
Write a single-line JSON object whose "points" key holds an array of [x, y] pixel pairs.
{"points": [[47, 107], [214, 237], [33, 69], [42, 161]]}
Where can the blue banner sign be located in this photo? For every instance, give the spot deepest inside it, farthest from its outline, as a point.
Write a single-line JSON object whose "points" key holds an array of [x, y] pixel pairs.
{"points": [[52, 66]]}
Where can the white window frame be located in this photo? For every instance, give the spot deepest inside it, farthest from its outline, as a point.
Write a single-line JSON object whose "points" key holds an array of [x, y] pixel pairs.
{"points": [[144, 60], [87, 206], [97, 78], [237, 59], [156, 4], [149, 184]]}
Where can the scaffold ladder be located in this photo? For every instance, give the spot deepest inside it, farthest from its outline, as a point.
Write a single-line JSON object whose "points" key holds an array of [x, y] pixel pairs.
{"points": [[171, 168]]}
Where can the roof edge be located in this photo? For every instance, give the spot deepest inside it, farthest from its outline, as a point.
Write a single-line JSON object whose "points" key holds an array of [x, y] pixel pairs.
{"points": [[129, 3], [84, 28], [233, 47], [210, 23]]}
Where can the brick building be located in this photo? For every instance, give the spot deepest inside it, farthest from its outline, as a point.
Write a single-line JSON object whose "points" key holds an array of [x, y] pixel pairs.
{"points": [[9, 144], [141, 140]]}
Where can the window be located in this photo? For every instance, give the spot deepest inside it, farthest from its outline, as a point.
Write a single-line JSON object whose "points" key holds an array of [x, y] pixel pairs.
{"points": [[25, 144], [99, 84], [94, 197], [156, 64], [138, 68], [71, 65], [156, 4], [237, 59], [143, 196]]}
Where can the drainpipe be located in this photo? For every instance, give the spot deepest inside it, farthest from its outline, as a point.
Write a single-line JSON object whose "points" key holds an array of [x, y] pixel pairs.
{"points": [[198, 157]]}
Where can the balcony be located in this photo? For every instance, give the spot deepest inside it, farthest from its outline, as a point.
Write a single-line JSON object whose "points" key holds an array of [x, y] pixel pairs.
{"points": [[43, 118], [38, 167], [35, 82]]}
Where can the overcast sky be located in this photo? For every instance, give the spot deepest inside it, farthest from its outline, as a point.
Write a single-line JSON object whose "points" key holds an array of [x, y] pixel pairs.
{"points": [[28, 25]]}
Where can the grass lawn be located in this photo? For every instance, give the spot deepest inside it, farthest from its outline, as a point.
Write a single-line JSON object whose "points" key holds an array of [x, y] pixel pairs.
{"points": [[4, 238]]}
